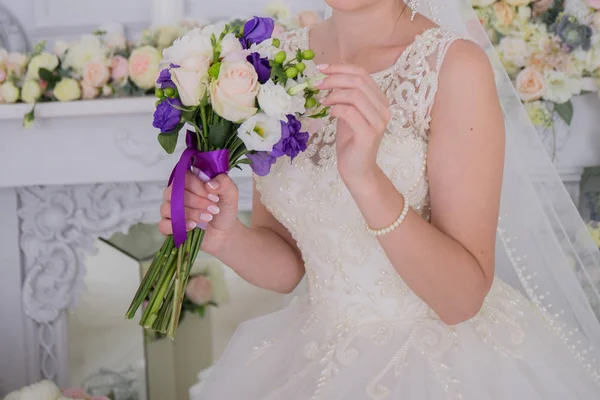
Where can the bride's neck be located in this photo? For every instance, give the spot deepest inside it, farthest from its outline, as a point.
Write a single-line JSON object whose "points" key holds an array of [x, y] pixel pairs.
{"points": [[353, 31]]}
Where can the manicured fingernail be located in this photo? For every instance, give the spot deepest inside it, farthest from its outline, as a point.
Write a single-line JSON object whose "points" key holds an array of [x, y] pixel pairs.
{"points": [[322, 66], [213, 185], [214, 210], [213, 197], [191, 225], [319, 83], [206, 217]]}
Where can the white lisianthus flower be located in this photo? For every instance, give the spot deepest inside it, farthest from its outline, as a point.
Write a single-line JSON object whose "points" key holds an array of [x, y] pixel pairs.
{"points": [[31, 91], [560, 87], [230, 44], [274, 100], [265, 49], [191, 85], [89, 48], [260, 132], [67, 90], [194, 45], [9, 92], [44, 60], [482, 3]]}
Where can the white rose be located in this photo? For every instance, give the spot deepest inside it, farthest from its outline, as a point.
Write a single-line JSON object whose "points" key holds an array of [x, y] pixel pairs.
{"points": [[44, 60], [44, 390], [561, 87], [191, 85], [16, 63], [260, 132], [214, 29], [67, 90], [166, 35], [482, 3], [114, 35], [193, 45], [31, 91], [275, 101], [88, 49], [96, 74], [230, 44], [514, 50], [88, 91], [9, 92], [234, 93], [60, 47]]}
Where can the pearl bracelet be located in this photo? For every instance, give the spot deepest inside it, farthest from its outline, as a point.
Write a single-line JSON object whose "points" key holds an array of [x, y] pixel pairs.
{"points": [[392, 227]]}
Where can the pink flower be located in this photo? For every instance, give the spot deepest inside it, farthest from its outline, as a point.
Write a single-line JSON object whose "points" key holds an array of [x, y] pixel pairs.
{"points": [[2, 75], [199, 290], [96, 74], [530, 84], [88, 91], [143, 66], [309, 18], [118, 69], [593, 3], [541, 6]]}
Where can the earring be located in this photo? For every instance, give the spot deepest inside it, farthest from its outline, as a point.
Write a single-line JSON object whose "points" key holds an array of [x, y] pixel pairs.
{"points": [[413, 4]]}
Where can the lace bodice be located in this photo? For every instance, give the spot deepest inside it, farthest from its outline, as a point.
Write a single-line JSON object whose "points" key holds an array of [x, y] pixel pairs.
{"points": [[343, 263]]}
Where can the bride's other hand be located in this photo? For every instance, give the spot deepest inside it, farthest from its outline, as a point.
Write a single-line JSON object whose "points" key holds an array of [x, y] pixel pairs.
{"points": [[214, 203], [363, 114]]}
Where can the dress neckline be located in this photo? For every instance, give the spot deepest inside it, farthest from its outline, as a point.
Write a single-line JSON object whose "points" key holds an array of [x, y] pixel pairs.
{"points": [[385, 71]]}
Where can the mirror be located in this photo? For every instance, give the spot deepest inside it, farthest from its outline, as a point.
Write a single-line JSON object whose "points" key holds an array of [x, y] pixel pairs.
{"points": [[114, 357]]}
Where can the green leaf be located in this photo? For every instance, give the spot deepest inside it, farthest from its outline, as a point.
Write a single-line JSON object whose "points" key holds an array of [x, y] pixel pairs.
{"points": [[189, 114], [50, 77], [39, 48], [565, 111], [202, 312], [322, 114], [218, 134], [168, 140]]}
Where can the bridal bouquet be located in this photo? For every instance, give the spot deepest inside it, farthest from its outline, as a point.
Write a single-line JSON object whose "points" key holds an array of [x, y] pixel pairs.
{"points": [[241, 100]]}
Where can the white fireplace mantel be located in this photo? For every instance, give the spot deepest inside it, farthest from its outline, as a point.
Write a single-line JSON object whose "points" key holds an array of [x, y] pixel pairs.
{"points": [[85, 170]]}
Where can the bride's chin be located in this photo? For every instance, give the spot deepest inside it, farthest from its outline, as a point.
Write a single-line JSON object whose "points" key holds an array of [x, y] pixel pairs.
{"points": [[352, 5]]}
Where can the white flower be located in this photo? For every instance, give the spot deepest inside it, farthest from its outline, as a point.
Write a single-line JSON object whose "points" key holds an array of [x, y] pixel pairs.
{"points": [[143, 66], [230, 44], [191, 85], [278, 10], [482, 3], [44, 60], [166, 35], [234, 93], [16, 63], [88, 49], [114, 36], [275, 101], [561, 87], [265, 49], [31, 91], [195, 45], [260, 132], [9, 92], [214, 29], [67, 90], [44, 390], [514, 50], [60, 47]]}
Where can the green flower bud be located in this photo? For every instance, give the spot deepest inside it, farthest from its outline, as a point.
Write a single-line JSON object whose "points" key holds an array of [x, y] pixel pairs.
{"points": [[276, 42], [301, 67], [170, 92], [311, 102], [291, 72], [308, 54], [280, 57], [159, 93]]}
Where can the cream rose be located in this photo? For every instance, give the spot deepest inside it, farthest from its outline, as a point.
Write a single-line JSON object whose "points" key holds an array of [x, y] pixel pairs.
{"points": [[143, 66], [16, 64], [44, 60], [514, 50], [199, 290], [194, 45], [518, 3], [89, 48], [505, 14], [530, 84], [96, 74], [191, 85], [9, 92], [88, 91], [31, 91], [234, 92], [482, 3], [118, 69], [67, 90], [230, 44]]}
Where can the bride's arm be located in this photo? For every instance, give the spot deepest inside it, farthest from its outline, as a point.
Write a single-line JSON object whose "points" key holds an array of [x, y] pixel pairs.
{"points": [[449, 262]]}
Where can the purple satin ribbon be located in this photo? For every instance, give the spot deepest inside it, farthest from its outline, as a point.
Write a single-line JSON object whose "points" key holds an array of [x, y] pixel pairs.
{"points": [[206, 165]]}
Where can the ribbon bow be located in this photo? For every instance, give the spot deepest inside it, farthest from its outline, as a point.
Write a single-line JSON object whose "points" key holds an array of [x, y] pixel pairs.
{"points": [[206, 165]]}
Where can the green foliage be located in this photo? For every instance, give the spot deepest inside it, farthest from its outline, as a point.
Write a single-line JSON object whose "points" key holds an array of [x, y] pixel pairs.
{"points": [[219, 133], [565, 111], [52, 78], [168, 140]]}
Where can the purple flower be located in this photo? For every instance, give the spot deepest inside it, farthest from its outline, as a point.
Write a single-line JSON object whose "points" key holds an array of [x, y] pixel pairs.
{"points": [[261, 65], [573, 34], [292, 140], [261, 162], [257, 30], [167, 117], [164, 79]]}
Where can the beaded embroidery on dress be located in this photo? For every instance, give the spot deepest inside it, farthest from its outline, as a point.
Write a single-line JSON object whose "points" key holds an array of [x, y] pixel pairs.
{"points": [[360, 333]]}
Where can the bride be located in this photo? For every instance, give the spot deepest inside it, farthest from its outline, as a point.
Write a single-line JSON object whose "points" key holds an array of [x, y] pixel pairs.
{"points": [[443, 257]]}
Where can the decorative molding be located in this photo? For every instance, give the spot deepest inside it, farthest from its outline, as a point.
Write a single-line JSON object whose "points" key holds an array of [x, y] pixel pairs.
{"points": [[147, 152], [12, 34]]}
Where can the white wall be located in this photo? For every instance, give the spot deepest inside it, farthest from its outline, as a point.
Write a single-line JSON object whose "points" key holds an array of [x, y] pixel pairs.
{"points": [[50, 19]]}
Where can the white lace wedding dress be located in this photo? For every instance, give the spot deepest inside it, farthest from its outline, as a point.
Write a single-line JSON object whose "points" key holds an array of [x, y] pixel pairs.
{"points": [[360, 333]]}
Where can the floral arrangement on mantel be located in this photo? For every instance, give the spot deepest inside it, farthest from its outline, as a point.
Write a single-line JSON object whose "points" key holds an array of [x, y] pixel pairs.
{"points": [[550, 48], [103, 64], [205, 289], [47, 390]]}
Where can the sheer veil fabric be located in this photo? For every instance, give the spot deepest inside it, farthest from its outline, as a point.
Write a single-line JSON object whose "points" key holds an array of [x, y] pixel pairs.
{"points": [[543, 246]]}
